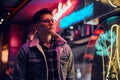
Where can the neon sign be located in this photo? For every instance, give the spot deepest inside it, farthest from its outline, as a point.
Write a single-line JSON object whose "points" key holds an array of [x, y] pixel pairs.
{"points": [[62, 8], [77, 16], [103, 44]]}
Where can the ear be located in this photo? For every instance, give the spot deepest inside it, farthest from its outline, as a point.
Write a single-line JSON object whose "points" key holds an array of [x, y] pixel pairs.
{"points": [[36, 27]]}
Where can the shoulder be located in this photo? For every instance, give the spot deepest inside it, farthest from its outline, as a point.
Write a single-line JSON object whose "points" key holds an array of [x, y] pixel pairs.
{"points": [[67, 52], [25, 45], [24, 49], [66, 47]]}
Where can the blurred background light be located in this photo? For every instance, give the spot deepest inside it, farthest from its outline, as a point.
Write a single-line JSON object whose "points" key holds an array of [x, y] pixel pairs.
{"points": [[5, 54]]}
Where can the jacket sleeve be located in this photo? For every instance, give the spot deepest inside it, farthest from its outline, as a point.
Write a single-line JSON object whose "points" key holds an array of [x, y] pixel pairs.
{"points": [[70, 68], [19, 71]]}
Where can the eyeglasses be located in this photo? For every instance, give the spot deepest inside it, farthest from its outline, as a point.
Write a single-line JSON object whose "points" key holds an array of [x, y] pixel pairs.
{"points": [[48, 21]]}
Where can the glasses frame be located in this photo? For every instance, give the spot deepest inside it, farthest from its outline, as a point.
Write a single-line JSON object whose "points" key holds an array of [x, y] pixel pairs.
{"points": [[48, 20]]}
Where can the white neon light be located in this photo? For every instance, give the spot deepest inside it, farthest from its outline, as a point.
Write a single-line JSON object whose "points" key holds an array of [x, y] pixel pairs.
{"points": [[62, 8], [112, 4], [112, 57]]}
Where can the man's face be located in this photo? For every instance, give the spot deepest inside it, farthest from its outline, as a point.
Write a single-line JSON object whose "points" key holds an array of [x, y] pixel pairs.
{"points": [[46, 25]]}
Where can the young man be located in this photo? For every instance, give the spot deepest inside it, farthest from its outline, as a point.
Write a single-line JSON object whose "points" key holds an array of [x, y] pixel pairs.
{"points": [[47, 56]]}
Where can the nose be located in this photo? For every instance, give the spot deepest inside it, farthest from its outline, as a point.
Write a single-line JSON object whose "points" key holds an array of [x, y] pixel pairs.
{"points": [[51, 22]]}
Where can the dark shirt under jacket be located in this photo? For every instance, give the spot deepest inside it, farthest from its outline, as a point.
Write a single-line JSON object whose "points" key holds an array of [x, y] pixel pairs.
{"points": [[51, 57]]}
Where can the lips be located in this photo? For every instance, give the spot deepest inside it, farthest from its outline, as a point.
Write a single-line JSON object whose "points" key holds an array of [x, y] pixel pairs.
{"points": [[51, 28]]}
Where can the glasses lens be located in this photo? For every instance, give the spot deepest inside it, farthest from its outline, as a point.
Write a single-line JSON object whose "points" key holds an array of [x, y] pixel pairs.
{"points": [[47, 20]]}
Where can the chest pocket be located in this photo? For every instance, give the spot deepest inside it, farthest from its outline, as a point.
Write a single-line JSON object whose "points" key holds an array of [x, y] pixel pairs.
{"points": [[64, 54], [35, 56], [35, 63], [34, 60]]}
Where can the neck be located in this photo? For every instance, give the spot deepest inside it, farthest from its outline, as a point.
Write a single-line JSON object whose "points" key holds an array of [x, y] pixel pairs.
{"points": [[46, 38]]}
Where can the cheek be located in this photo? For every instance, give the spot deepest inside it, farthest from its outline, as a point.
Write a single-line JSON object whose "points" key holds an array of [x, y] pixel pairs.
{"points": [[45, 28], [42, 27]]}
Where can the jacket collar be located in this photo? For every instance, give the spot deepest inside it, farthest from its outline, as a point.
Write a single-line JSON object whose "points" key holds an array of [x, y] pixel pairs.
{"points": [[59, 39]]}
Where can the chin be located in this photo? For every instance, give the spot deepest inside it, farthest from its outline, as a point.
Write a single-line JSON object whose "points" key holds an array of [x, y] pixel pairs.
{"points": [[52, 31]]}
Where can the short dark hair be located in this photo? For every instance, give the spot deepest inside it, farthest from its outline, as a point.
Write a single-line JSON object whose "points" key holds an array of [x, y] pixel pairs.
{"points": [[37, 16]]}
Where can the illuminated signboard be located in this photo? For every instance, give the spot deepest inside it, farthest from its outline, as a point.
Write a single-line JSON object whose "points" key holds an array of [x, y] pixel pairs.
{"points": [[77, 16]]}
